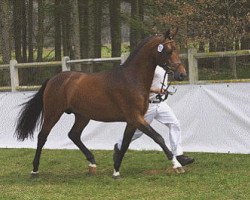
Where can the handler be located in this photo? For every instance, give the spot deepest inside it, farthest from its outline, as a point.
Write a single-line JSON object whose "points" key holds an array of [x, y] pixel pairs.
{"points": [[159, 110]]}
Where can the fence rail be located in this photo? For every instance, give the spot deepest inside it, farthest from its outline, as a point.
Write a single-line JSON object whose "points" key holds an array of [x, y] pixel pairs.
{"points": [[6, 66], [65, 63]]}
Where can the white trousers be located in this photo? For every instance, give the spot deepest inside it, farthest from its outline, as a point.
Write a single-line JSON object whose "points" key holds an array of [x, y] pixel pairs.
{"points": [[165, 115]]}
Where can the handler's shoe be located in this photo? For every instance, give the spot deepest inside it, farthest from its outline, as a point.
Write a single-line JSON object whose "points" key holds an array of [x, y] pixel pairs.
{"points": [[184, 160], [116, 152]]}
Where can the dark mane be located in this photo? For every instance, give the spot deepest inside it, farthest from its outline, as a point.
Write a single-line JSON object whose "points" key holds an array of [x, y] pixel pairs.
{"points": [[134, 53]]}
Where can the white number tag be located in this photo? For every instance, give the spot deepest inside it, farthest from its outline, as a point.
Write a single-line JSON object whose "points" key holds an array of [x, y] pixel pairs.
{"points": [[160, 48]]}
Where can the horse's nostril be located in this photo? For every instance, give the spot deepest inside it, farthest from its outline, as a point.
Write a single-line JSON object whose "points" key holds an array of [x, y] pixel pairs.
{"points": [[182, 76], [179, 76]]}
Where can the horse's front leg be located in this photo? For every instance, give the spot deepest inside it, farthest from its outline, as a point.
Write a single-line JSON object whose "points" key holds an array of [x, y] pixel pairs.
{"points": [[127, 137], [149, 131]]}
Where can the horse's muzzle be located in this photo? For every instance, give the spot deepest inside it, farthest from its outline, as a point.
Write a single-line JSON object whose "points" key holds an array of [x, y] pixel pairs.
{"points": [[179, 71], [179, 76]]}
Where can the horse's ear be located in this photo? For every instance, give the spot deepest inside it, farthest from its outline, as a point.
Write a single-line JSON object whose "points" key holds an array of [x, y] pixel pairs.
{"points": [[167, 34], [175, 32], [170, 35]]}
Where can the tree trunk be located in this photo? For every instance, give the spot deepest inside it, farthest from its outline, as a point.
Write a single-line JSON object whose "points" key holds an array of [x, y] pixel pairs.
{"points": [[84, 30], [66, 27], [134, 29], [75, 34], [91, 28], [24, 32], [115, 27], [98, 28], [40, 38], [30, 31], [17, 16], [5, 31], [141, 18], [57, 22]]}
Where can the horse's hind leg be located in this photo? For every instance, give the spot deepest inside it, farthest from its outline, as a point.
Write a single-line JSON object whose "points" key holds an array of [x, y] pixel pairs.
{"points": [[75, 135], [49, 121]]}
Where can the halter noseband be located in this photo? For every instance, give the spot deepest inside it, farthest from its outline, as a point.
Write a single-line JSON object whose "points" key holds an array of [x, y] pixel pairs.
{"points": [[171, 68]]}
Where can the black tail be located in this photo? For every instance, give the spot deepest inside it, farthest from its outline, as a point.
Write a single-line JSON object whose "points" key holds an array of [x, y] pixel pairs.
{"points": [[29, 116]]}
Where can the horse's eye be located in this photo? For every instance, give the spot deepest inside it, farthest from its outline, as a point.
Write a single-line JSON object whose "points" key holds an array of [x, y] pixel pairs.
{"points": [[169, 51]]}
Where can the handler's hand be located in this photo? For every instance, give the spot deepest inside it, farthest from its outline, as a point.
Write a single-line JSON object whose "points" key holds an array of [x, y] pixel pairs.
{"points": [[158, 91]]}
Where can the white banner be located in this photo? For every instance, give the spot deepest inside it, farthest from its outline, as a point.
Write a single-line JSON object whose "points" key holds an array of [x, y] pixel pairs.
{"points": [[213, 117]]}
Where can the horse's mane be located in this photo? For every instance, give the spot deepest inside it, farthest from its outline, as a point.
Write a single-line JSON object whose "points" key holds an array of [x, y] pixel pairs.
{"points": [[134, 53]]}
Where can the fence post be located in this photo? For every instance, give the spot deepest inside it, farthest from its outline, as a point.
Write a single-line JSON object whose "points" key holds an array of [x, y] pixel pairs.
{"points": [[65, 65], [192, 65], [14, 75], [124, 57]]}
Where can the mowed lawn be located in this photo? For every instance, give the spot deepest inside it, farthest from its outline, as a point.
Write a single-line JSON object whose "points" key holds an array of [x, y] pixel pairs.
{"points": [[145, 175]]}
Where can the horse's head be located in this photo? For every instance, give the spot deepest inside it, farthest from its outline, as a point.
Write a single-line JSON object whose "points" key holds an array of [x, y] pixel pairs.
{"points": [[168, 57]]}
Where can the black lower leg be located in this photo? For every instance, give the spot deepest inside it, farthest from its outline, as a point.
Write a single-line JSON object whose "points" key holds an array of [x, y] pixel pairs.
{"points": [[127, 137], [77, 141], [149, 131], [41, 141]]}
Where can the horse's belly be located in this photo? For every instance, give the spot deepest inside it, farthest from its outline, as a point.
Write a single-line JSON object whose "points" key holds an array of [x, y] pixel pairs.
{"points": [[105, 117], [102, 113]]}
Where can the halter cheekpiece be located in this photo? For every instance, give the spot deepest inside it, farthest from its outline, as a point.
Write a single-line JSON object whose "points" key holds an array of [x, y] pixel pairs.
{"points": [[168, 70]]}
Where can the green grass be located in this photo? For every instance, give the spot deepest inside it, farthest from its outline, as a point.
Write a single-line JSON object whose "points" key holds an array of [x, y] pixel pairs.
{"points": [[145, 175]]}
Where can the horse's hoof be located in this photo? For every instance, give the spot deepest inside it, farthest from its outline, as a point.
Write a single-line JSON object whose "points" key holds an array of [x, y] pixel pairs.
{"points": [[179, 170], [34, 174], [92, 169], [116, 175]]}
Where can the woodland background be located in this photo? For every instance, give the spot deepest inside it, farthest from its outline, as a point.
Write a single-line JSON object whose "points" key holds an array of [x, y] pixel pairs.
{"points": [[43, 30]]}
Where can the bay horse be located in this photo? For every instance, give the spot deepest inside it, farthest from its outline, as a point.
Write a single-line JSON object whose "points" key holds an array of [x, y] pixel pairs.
{"points": [[118, 95]]}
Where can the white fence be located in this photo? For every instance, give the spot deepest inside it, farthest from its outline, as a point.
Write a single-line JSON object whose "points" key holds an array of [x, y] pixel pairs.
{"points": [[213, 118], [65, 63]]}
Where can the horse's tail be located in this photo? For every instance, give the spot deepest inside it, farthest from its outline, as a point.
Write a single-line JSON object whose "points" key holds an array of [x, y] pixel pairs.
{"points": [[30, 114]]}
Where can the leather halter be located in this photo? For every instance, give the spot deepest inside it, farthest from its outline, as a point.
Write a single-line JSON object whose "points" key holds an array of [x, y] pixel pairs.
{"points": [[169, 69]]}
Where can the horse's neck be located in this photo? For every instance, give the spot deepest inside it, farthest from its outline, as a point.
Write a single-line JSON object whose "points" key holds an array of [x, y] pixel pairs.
{"points": [[142, 67]]}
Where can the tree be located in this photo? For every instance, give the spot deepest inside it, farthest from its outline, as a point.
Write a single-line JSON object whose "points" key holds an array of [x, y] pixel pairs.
{"points": [[30, 22], [115, 27], [135, 36], [5, 30], [90, 17], [66, 27], [17, 25], [98, 28], [141, 18], [75, 52], [217, 21], [218, 24], [91, 30], [24, 32], [57, 22], [84, 27], [40, 31]]}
